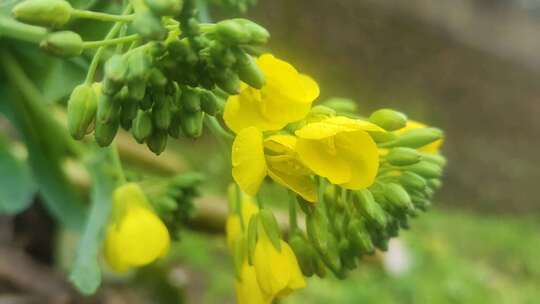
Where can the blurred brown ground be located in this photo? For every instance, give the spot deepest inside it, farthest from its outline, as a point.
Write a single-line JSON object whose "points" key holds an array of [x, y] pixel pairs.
{"points": [[469, 67]]}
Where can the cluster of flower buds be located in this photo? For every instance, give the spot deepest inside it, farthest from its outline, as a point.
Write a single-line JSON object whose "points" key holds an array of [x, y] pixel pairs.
{"points": [[240, 6], [176, 71]]}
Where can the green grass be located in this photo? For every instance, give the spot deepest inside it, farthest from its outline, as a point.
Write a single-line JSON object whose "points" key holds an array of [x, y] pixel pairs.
{"points": [[456, 258]]}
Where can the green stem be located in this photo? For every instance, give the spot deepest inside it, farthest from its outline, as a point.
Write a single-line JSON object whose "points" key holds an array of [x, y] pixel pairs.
{"points": [[293, 223], [117, 164], [101, 16], [97, 56], [21, 31], [109, 42]]}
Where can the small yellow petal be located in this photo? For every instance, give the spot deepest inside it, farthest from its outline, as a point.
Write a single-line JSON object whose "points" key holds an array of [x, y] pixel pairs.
{"points": [[280, 143], [301, 184], [361, 153], [248, 290], [321, 157], [249, 164]]}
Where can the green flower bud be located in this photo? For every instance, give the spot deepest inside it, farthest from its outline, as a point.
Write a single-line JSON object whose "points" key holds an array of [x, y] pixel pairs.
{"points": [[157, 141], [304, 253], [348, 254], [128, 113], [175, 128], [420, 202], [142, 126], [136, 90], [415, 138], [434, 158], [257, 34], [139, 66], [105, 132], [116, 68], [149, 26], [191, 100], [366, 204], [252, 235], [108, 110], [228, 81], [320, 268], [271, 227], [402, 156], [388, 119], [156, 78], [165, 7], [192, 124], [63, 44], [360, 238], [434, 183], [398, 196], [147, 102], [161, 114], [210, 103], [413, 181], [425, 169], [232, 32], [81, 110], [341, 105], [249, 72], [49, 13]]}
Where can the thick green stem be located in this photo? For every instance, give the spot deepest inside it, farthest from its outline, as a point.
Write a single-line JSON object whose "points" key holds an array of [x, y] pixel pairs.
{"points": [[101, 16], [21, 31], [117, 164], [109, 42], [97, 56]]}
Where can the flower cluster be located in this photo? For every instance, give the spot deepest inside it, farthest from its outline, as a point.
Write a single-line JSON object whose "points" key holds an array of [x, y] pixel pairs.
{"points": [[356, 180]]}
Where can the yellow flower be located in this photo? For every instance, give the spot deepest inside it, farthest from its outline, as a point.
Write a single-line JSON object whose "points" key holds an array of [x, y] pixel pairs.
{"points": [[136, 236], [286, 97], [251, 164], [233, 227], [247, 288], [341, 150], [278, 273], [429, 148]]}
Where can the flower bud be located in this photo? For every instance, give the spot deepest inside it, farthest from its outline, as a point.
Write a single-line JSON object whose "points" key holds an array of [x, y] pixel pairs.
{"points": [[398, 196], [63, 44], [156, 78], [142, 126], [210, 103], [128, 113], [81, 110], [165, 7], [434, 158], [147, 102], [359, 237], [249, 72], [175, 128], [367, 205], [413, 181], [434, 183], [341, 105], [191, 100], [402, 156], [228, 81], [149, 26], [232, 32], [425, 169], [388, 119], [161, 114], [105, 132], [420, 202], [157, 141], [305, 254], [415, 138], [108, 110], [271, 227], [257, 34], [115, 73], [136, 90], [49, 13], [192, 124]]}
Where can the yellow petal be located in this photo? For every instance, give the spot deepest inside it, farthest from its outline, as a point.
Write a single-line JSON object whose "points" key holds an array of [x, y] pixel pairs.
{"points": [[248, 290], [249, 165], [280, 143], [139, 237], [301, 184], [297, 280], [321, 157], [244, 110], [354, 124], [360, 151], [113, 254], [273, 273]]}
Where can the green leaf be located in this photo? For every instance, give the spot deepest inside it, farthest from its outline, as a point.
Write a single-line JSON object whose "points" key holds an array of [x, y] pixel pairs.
{"points": [[86, 273], [16, 184]]}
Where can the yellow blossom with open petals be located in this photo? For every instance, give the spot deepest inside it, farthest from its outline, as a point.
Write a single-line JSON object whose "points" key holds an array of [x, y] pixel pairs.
{"points": [[341, 150], [429, 148], [286, 97], [278, 272], [136, 236], [253, 158]]}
